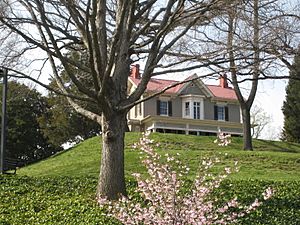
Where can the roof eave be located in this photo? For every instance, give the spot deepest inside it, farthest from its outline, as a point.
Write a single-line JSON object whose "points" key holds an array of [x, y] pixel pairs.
{"points": [[225, 100], [163, 93]]}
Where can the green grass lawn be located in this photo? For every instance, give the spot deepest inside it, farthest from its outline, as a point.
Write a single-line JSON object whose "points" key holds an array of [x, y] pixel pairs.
{"points": [[271, 160], [61, 189]]}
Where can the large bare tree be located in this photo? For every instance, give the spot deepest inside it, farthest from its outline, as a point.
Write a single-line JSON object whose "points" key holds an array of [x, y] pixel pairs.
{"points": [[262, 37], [257, 40], [113, 34], [269, 40]]}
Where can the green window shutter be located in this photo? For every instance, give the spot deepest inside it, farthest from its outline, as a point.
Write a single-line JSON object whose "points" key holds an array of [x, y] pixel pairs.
{"points": [[170, 108], [216, 112], [226, 113], [158, 107]]}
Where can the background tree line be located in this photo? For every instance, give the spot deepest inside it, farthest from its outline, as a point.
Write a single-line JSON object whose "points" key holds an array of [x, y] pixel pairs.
{"points": [[39, 125]]}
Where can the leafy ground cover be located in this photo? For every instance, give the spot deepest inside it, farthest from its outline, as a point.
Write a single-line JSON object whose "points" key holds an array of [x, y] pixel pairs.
{"points": [[70, 200], [61, 190]]}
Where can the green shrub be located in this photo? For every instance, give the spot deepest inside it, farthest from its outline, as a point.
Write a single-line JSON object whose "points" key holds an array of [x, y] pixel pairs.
{"points": [[64, 200], [282, 208]]}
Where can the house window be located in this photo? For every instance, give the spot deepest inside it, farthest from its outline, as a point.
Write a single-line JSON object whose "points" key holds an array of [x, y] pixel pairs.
{"points": [[164, 108], [193, 108], [196, 110], [138, 110], [221, 113], [187, 109]]}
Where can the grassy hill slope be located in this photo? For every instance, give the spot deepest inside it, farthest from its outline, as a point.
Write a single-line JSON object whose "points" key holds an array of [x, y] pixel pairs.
{"points": [[61, 189], [270, 161]]}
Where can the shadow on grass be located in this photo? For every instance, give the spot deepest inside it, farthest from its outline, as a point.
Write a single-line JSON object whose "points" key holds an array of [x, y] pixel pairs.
{"points": [[276, 146]]}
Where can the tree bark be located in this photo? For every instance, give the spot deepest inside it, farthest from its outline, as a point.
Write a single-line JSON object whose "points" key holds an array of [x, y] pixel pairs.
{"points": [[247, 139], [245, 104], [111, 182]]}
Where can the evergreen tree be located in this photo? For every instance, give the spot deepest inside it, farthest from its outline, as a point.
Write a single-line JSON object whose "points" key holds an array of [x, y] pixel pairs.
{"points": [[25, 139], [291, 106], [61, 123]]}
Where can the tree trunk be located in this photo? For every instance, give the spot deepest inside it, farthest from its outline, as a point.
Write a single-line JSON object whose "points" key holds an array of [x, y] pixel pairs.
{"points": [[247, 139], [112, 179]]}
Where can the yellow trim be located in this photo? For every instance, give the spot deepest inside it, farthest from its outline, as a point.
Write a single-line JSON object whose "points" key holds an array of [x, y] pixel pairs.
{"points": [[227, 100], [179, 120]]}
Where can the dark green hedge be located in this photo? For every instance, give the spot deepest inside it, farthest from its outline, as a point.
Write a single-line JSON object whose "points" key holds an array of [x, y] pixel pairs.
{"points": [[25, 200], [282, 208], [62, 200]]}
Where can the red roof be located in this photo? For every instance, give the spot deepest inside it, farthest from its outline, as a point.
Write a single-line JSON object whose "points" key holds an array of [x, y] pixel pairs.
{"points": [[156, 85], [219, 92]]}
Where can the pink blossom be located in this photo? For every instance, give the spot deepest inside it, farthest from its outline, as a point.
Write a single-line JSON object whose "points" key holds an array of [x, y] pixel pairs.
{"points": [[223, 139], [166, 205], [268, 193]]}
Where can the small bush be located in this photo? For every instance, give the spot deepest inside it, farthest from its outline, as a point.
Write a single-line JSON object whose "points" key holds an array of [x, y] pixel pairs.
{"points": [[64, 200]]}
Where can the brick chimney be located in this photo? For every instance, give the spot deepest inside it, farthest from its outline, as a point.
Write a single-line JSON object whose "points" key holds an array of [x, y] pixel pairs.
{"points": [[135, 71], [223, 81]]}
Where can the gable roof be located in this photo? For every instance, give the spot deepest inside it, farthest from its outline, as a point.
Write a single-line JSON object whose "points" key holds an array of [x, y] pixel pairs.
{"points": [[198, 82], [156, 85]]}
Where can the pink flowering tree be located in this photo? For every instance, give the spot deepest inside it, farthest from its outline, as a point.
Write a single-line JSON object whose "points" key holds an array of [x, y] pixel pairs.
{"points": [[165, 202], [223, 139]]}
